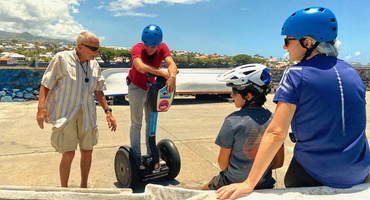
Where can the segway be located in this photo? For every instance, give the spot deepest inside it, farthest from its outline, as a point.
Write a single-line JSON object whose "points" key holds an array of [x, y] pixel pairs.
{"points": [[164, 160]]}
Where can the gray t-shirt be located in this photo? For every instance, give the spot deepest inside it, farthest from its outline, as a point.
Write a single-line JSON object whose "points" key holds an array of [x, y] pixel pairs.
{"points": [[242, 132]]}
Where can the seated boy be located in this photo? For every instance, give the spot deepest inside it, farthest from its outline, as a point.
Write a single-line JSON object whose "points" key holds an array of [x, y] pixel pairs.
{"points": [[241, 132]]}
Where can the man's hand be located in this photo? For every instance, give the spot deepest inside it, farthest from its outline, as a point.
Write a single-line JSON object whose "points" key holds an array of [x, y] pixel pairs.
{"points": [[171, 84], [42, 115], [233, 190], [112, 124]]}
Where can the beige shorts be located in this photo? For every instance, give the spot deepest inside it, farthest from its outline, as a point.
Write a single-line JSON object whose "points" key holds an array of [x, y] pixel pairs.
{"points": [[66, 139]]}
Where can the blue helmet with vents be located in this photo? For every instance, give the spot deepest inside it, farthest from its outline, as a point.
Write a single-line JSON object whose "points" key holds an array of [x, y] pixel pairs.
{"points": [[319, 22], [152, 35]]}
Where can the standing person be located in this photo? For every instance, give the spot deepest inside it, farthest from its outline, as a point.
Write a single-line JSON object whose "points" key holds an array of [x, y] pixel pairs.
{"points": [[147, 57], [242, 131], [323, 98], [66, 99]]}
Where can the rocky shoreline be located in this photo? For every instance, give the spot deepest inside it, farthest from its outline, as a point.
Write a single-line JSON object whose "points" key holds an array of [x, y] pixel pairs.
{"points": [[19, 85]]}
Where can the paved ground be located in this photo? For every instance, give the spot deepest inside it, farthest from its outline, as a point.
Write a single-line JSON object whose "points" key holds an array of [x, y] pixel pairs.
{"points": [[27, 159]]}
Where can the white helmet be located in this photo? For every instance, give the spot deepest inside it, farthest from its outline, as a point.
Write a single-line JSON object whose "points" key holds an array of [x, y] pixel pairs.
{"points": [[242, 77]]}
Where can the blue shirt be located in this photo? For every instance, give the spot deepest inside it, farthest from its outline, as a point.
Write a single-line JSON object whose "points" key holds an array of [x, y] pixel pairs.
{"points": [[330, 120]]}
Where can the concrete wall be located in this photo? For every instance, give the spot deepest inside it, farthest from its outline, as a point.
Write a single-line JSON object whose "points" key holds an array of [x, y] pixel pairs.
{"points": [[157, 192], [22, 84]]}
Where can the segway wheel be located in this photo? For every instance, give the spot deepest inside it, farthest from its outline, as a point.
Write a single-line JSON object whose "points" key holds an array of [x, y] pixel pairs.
{"points": [[169, 153], [127, 173]]}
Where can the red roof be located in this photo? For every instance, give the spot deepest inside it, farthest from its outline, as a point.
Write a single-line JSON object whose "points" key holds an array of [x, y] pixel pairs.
{"points": [[5, 58]]}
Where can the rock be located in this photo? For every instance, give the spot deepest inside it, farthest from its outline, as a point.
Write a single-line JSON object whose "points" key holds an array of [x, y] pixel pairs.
{"points": [[23, 74], [19, 100], [19, 94], [22, 80], [2, 93], [29, 96], [29, 89], [6, 99]]}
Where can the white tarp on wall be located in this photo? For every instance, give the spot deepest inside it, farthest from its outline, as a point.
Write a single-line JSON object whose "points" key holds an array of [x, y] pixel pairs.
{"points": [[188, 81]]}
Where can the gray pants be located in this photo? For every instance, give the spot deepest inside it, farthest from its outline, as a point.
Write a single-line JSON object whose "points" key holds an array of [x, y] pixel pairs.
{"points": [[137, 99]]}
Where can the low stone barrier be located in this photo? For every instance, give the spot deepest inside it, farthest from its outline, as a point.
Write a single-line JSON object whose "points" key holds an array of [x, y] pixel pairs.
{"points": [[22, 84], [18, 85], [158, 192]]}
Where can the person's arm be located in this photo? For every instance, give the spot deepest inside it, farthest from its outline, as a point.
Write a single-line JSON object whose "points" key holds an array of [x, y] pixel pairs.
{"points": [[223, 158], [172, 72], [271, 142], [143, 68], [42, 113], [112, 124]]}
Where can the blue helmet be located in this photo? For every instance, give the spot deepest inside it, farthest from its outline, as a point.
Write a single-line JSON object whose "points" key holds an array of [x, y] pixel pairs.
{"points": [[152, 35], [319, 22]]}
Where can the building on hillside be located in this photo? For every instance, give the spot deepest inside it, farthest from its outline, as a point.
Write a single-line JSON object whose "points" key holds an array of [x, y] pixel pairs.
{"points": [[29, 48], [48, 55], [13, 55], [9, 48], [8, 61]]}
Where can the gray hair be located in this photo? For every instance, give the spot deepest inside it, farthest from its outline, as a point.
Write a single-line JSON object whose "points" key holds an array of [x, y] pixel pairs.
{"points": [[84, 37], [328, 48]]}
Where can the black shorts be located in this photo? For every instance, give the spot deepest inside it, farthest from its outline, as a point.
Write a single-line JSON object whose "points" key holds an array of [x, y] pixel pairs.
{"points": [[219, 181], [296, 176]]}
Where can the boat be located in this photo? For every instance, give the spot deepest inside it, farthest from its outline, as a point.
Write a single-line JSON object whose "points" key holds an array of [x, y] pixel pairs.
{"points": [[189, 81]]}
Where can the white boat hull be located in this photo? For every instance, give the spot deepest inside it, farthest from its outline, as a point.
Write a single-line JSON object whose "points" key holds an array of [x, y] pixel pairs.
{"points": [[188, 81]]}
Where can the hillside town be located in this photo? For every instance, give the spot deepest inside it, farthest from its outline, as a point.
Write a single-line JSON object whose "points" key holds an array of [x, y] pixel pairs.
{"points": [[18, 52], [14, 53]]}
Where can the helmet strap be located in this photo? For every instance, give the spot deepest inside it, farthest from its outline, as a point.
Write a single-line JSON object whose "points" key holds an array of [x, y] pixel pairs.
{"points": [[308, 51]]}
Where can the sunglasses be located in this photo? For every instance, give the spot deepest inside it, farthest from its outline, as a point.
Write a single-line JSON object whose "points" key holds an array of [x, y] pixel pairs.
{"points": [[91, 48], [235, 91], [286, 40]]}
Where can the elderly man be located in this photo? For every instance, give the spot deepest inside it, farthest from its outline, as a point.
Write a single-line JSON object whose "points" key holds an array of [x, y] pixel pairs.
{"points": [[66, 100]]}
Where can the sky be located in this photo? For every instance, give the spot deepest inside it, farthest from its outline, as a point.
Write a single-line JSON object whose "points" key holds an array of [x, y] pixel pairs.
{"points": [[223, 27]]}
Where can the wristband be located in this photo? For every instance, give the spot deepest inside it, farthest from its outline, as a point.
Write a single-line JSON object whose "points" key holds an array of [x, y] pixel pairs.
{"points": [[173, 77], [108, 109]]}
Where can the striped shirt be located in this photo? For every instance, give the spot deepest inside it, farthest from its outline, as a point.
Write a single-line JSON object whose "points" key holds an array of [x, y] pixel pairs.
{"points": [[68, 91]]}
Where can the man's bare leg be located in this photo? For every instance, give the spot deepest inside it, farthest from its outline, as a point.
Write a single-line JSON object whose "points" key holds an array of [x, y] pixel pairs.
{"points": [[85, 165], [65, 167]]}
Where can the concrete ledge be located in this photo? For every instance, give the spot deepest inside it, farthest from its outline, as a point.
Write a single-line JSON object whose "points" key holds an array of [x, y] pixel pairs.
{"points": [[157, 192], [51, 193]]}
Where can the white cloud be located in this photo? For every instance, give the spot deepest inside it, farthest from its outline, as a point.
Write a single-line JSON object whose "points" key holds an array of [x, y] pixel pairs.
{"points": [[357, 53], [48, 18], [129, 13], [125, 7], [286, 55]]}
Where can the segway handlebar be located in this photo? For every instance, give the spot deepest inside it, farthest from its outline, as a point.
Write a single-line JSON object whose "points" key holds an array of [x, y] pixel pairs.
{"points": [[159, 78]]}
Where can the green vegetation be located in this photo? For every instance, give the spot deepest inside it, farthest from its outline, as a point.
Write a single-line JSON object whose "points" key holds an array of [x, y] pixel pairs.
{"points": [[108, 54], [192, 60]]}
